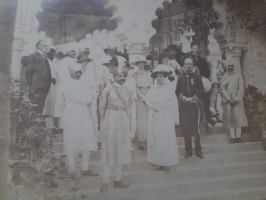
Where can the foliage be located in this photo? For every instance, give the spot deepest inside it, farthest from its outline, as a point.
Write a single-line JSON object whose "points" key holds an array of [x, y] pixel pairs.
{"points": [[35, 141], [255, 104], [251, 13]]}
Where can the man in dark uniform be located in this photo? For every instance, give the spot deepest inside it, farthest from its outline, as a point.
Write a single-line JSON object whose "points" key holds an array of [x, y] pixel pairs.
{"points": [[204, 71], [38, 75], [189, 90]]}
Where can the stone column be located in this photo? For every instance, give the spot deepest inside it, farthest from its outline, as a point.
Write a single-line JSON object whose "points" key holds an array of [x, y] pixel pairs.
{"points": [[215, 54], [134, 19], [26, 32], [231, 38]]}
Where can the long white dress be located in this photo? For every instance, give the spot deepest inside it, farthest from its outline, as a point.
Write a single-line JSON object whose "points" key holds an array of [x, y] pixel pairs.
{"points": [[172, 85], [77, 120], [162, 144]]}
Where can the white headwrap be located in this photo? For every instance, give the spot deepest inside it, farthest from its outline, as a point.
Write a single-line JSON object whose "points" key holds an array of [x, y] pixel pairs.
{"points": [[74, 67], [69, 47]]}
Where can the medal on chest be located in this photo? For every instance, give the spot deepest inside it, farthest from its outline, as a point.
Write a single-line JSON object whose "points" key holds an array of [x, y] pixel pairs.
{"points": [[192, 81]]}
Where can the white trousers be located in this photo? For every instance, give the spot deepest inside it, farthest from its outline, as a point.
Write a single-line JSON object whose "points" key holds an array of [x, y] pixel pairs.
{"points": [[107, 171], [85, 160], [235, 132]]}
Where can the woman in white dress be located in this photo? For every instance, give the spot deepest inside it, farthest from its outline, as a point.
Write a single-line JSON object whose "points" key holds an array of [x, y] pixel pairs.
{"points": [[79, 133], [162, 144], [171, 80]]}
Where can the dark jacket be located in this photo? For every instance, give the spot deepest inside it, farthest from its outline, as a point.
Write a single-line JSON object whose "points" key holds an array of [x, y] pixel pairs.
{"points": [[38, 76], [190, 85]]}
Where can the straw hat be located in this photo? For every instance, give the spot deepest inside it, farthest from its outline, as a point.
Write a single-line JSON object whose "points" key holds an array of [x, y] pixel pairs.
{"points": [[139, 58], [160, 71]]}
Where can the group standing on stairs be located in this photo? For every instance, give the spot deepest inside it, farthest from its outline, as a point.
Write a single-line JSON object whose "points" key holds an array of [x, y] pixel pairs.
{"points": [[141, 101]]}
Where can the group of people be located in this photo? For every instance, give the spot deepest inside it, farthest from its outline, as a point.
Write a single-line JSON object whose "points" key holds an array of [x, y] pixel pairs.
{"points": [[105, 103]]}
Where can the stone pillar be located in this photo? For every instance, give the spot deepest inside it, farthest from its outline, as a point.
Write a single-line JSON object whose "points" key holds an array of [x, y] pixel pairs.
{"points": [[215, 54], [231, 38], [134, 20]]}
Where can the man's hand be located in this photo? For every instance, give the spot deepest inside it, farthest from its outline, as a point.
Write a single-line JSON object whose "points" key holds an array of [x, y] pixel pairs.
{"points": [[190, 100], [184, 99], [53, 81]]}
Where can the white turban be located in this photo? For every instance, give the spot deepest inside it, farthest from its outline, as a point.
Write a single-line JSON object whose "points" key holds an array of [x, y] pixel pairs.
{"points": [[69, 47], [74, 67]]}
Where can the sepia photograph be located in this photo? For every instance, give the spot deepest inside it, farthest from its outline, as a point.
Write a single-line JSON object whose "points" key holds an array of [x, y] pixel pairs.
{"points": [[133, 100]]}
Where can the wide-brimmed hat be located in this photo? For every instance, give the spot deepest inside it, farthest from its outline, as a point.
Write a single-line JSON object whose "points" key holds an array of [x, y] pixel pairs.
{"points": [[163, 72], [139, 58], [113, 60], [69, 47], [230, 63], [84, 57]]}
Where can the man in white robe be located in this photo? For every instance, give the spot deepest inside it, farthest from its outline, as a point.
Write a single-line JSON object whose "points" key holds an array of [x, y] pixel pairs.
{"points": [[79, 133]]}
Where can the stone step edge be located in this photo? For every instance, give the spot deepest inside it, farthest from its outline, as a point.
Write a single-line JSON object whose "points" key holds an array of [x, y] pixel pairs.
{"points": [[181, 158], [178, 183], [216, 194]]}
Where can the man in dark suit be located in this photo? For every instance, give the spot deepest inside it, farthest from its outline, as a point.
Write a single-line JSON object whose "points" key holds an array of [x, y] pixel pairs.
{"points": [[38, 75], [189, 90]]}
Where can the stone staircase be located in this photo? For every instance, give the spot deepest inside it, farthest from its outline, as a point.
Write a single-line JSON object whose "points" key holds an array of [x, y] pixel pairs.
{"points": [[228, 172]]}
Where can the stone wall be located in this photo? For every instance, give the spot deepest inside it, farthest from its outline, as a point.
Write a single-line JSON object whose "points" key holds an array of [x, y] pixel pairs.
{"points": [[254, 61]]}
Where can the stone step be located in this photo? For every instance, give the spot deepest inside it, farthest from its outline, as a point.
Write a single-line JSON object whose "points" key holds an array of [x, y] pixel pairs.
{"points": [[150, 176], [139, 160], [210, 139], [177, 189], [223, 148], [247, 193]]}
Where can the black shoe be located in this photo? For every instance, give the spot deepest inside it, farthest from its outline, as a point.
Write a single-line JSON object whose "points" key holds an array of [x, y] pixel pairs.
{"points": [[120, 184], [200, 155], [238, 140], [232, 141], [188, 155]]}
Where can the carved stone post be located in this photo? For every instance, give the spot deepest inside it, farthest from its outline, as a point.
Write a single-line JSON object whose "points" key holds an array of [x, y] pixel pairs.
{"points": [[134, 19]]}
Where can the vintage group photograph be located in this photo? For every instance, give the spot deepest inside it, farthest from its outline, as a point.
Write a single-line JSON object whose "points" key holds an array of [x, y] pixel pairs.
{"points": [[135, 100]]}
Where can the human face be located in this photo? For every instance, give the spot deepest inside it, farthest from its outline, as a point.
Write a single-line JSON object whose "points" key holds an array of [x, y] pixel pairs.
{"points": [[165, 60], [112, 67], [195, 49], [188, 64], [160, 79], [71, 54], [155, 51], [120, 78], [84, 63], [141, 65], [75, 75], [44, 47], [230, 68], [86, 51]]}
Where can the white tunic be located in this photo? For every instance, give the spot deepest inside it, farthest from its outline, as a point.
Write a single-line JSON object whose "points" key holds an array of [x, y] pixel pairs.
{"points": [[162, 144], [77, 120]]}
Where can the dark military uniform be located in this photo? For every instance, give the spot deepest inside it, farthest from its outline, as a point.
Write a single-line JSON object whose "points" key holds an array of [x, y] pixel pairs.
{"points": [[190, 85]]}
